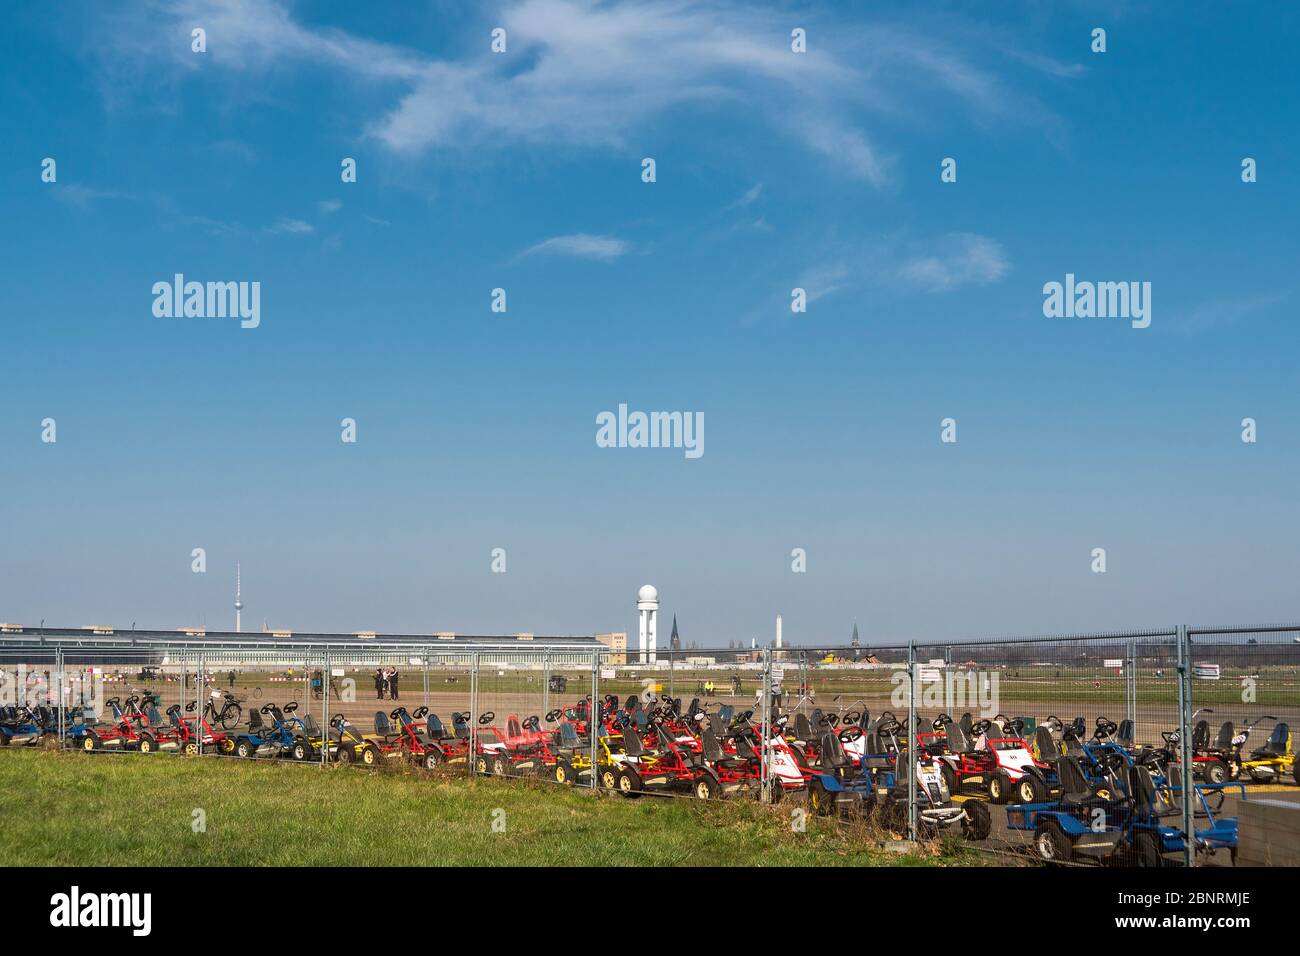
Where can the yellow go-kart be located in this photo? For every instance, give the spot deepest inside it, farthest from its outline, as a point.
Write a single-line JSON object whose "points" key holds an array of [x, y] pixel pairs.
{"points": [[1274, 760]]}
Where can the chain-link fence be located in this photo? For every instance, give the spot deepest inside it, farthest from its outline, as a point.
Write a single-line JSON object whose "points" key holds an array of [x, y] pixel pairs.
{"points": [[1065, 748]]}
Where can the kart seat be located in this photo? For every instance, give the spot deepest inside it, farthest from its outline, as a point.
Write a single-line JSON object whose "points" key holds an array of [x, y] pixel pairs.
{"points": [[1201, 735], [1048, 750], [383, 726], [460, 728], [1276, 745], [833, 755], [967, 727], [309, 726], [433, 729], [713, 754], [568, 739], [1163, 803], [803, 729], [959, 735], [255, 723], [1124, 736], [1226, 733], [1074, 785], [632, 742]]}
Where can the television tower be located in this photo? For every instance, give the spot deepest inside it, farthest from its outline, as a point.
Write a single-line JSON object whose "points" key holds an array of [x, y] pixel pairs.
{"points": [[239, 604]]}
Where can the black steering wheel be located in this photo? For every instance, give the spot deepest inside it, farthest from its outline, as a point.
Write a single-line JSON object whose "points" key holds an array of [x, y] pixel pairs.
{"points": [[849, 734], [420, 712], [290, 707], [486, 717], [394, 714], [553, 715], [852, 717], [267, 708], [189, 707]]}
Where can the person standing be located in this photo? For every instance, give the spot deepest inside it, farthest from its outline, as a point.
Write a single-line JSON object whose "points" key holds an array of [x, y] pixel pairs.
{"points": [[392, 684], [232, 680], [379, 683]]}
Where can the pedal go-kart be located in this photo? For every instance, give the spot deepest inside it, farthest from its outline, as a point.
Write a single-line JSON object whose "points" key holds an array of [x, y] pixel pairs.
{"points": [[996, 760], [285, 736], [1271, 762], [877, 782], [1218, 761], [420, 737], [1131, 821], [121, 734], [351, 746], [22, 729]]}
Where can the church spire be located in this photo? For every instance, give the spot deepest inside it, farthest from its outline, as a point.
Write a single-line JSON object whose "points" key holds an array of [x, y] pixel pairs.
{"points": [[675, 642]]}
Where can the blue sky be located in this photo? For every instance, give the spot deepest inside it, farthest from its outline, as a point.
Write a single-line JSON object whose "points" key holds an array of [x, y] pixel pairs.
{"points": [[774, 170]]}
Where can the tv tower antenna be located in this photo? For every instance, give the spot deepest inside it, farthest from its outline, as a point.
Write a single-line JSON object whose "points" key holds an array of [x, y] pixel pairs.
{"points": [[239, 604]]}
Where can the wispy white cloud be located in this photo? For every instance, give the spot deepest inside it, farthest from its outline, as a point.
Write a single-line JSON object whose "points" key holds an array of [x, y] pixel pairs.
{"points": [[81, 195], [592, 73], [1225, 312], [959, 259], [328, 206], [581, 246], [290, 227]]}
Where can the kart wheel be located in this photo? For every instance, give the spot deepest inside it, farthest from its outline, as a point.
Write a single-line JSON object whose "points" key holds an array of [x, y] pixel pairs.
{"points": [[706, 788], [1296, 772], [629, 783], [819, 800], [1029, 789], [146, 744], [244, 749], [999, 788], [346, 755], [563, 773], [301, 750], [500, 767], [609, 778], [481, 765], [368, 756], [431, 760], [1216, 772], [190, 748], [1146, 850], [978, 822], [1051, 843], [227, 746], [775, 791], [90, 743]]}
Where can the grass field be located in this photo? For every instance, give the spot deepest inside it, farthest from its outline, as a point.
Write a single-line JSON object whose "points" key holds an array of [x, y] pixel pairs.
{"points": [[122, 810]]}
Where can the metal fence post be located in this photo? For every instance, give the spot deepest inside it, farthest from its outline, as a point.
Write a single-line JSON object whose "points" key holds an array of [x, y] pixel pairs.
{"points": [[58, 674], [327, 683], [1185, 741], [200, 691], [910, 741], [546, 682], [593, 718], [472, 754], [765, 728]]}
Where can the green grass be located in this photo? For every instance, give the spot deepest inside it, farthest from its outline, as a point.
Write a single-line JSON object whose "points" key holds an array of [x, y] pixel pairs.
{"points": [[70, 809]]}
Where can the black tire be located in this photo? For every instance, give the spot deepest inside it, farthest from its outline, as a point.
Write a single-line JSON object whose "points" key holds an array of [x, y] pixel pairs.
{"points": [[346, 755], [563, 773], [227, 746], [1051, 843], [501, 766], [481, 765], [1146, 850], [999, 788], [244, 749], [301, 750], [949, 777], [190, 748], [978, 822], [1030, 789], [146, 744], [369, 755], [1295, 772], [629, 783], [609, 778], [432, 760], [1216, 771], [88, 744], [705, 787], [820, 800]]}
